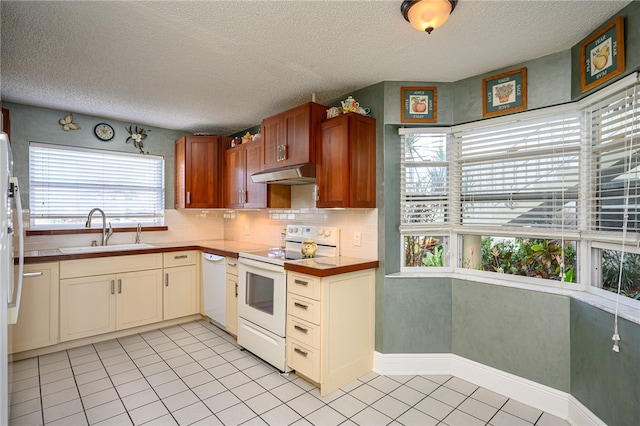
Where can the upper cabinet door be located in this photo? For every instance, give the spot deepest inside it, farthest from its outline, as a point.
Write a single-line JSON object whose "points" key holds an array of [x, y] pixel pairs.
{"points": [[234, 177], [289, 137], [198, 171], [255, 193], [346, 162]]}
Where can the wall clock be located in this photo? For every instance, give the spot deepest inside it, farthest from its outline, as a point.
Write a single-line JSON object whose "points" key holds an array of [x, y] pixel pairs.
{"points": [[104, 132]]}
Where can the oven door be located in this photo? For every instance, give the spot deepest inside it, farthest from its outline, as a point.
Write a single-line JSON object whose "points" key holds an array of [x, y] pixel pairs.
{"points": [[262, 295]]}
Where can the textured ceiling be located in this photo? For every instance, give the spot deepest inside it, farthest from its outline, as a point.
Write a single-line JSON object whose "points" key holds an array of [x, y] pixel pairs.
{"points": [[222, 66]]}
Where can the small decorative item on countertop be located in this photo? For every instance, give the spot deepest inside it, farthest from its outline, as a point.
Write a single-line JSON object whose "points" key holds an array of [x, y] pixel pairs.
{"points": [[309, 248], [283, 239], [137, 136]]}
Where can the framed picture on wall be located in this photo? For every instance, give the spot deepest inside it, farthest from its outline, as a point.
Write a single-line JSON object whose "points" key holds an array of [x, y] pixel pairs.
{"points": [[602, 55], [504, 93], [418, 104]]}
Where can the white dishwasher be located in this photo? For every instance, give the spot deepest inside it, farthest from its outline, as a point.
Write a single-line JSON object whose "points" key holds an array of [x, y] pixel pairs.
{"points": [[214, 274]]}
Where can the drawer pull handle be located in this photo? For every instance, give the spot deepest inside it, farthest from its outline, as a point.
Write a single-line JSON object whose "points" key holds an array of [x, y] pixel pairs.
{"points": [[301, 329], [301, 282], [113, 283], [300, 305], [119, 286], [166, 280], [184, 256], [301, 352], [32, 274], [232, 264]]}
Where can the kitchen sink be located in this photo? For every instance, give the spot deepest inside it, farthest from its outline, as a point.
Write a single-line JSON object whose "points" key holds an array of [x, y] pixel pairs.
{"points": [[99, 249]]}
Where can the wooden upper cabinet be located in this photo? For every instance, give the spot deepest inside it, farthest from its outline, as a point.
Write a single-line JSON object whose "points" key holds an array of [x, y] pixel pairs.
{"points": [[240, 162], [198, 170], [346, 162], [290, 137]]}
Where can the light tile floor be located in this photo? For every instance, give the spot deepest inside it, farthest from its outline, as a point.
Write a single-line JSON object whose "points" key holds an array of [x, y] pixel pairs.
{"points": [[195, 373]]}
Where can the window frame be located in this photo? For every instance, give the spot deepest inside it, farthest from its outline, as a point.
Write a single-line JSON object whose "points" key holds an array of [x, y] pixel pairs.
{"points": [[588, 242], [109, 188]]}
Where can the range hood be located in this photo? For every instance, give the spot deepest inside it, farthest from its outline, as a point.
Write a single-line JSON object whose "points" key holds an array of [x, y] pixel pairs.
{"points": [[300, 174]]}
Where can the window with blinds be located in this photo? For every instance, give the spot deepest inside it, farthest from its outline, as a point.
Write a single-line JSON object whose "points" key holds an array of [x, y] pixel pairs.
{"points": [[614, 126], [521, 174], [424, 179], [65, 183]]}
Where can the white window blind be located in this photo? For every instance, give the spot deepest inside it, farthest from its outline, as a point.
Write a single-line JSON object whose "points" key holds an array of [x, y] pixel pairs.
{"points": [[614, 126], [65, 183], [424, 180], [521, 174]]}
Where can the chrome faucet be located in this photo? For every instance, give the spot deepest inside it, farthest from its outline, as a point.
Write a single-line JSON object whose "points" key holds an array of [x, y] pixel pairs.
{"points": [[105, 235], [138, 231]]}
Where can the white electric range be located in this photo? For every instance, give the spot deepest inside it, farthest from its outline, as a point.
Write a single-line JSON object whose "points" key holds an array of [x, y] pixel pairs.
{"points": [[262, 290]]}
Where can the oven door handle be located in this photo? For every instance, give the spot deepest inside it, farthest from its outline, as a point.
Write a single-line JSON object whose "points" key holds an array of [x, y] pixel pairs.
{"points": [[261, 265]]}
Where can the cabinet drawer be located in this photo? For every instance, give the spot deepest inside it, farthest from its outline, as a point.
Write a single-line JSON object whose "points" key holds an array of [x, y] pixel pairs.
{"points": [[303, 331], [179, 258], [303, 308], [303, 285], [303, 359], [232, 266], [109, 265]]}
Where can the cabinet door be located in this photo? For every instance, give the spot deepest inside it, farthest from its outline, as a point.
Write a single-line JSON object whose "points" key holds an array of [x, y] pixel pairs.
{"points": [[180, 173], [272, 138], [256, 193], [180, 292], [38, 323], [138, 298], [234, 176], [332, 163], [203, 171], [87, 306], [297, 133], [362, 153], [232, 304]]}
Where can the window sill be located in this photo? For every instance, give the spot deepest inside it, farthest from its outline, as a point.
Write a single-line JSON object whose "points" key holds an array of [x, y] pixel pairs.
{"points": [[33, 232], [585, 294]]}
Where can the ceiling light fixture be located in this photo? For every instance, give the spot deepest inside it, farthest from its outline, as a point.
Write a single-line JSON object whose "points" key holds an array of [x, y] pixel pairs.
{"points": [[427, 15]]}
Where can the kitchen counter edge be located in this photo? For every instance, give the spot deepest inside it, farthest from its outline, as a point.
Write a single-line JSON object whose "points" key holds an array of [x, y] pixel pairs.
{"points": [[329, 266], [227, 248]]}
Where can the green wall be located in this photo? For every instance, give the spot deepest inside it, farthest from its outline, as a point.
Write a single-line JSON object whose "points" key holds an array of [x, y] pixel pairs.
{"points": [[33, 124], [522, 332], [608, 383], [419, 310]]}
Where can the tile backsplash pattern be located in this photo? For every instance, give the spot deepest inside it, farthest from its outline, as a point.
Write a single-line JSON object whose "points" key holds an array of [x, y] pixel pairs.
{"points": [[260, 226]]}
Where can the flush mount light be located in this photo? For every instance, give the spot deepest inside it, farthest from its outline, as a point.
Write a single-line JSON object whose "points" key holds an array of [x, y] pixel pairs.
{"points": [[427, 15]]}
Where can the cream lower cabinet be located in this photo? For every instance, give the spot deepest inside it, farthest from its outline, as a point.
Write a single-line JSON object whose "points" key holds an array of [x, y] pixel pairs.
{"points": [[37, 324], [232, 296], [330, 327], [101, 295], [181, 290]]}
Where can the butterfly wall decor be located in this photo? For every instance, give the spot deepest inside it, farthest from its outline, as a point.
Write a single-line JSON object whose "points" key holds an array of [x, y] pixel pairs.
{"points": [[68, 124]]}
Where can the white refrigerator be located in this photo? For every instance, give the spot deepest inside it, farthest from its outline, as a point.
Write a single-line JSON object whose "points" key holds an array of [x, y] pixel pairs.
{"points": [[10, 292]]}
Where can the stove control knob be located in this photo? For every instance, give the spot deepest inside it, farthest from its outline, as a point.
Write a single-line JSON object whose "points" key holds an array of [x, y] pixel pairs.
{"points": [[327, 233], [295, 230], [320, 231]]}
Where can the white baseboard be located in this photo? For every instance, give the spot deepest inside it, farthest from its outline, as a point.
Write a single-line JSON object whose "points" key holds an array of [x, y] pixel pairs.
{"points": [[545, 398]]}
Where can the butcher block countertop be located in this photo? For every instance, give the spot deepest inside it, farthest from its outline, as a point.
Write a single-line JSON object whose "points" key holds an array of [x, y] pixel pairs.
{"points": [[328, 266], [319, 267]]}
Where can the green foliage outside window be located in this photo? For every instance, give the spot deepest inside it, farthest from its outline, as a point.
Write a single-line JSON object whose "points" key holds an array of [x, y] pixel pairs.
{"points": [[530, 257]]}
